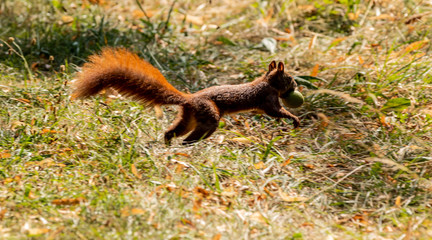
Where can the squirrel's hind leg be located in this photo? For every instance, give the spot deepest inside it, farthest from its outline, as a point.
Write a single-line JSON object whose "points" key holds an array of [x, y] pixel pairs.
{"points": [[183, 124], [202, 131], [207, 120]]}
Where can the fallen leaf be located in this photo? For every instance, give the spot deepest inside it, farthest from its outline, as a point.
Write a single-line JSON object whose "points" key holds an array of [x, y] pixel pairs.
{"points": [[398, 201], [16, 124], [5, 154], [229, 192], [137, 211], [310, 166], [324, 121], [3, 213], [306, 8], [197, 204], [312, 41], [182, 154], [45, 131], [197, 20], [414, 46], [287, 161], [360, 59], [217, 236], [135, 171], [383, 17], [241, 140], [353, 16], [336, 42], [287, 198], [259, 165], [68, 201], [258, 217], [38, 231], [67, 19], [314, 71]]}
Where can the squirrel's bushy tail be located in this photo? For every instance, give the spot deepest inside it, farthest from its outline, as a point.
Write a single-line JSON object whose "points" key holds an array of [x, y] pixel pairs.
{"points": [[129, 75]]}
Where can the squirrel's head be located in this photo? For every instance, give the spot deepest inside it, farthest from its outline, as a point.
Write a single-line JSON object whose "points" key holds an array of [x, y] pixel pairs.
{"points": [[280, 79]]}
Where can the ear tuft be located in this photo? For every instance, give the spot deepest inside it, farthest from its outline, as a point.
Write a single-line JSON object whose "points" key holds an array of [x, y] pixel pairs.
{"points": [[272, 66], [280, 67]]}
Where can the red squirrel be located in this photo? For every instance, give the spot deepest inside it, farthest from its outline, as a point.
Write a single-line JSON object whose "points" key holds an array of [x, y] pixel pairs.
{"points": [[200, 112]]}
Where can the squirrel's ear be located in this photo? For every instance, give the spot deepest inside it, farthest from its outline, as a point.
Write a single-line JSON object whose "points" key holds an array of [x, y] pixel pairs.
{"points": [[272, 66], [280, 67]]}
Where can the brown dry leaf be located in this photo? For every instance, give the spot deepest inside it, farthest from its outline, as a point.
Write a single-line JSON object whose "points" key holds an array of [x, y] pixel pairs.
{"points": [[246, 125], [383, 121], [16, 124], [286, 39], [398, 201], [338, 40], [34, 66], [31, 195], [197, 20], [312, 42], [258, 217], [229, 192], [268, 192], [67, 19], [23, 100], [352, 136], [179, 168], [217, 236], [5, 154], [315, 70], [307, 224], [185, 221], [201, 191], [7, 180], [96, 2], [46, 131], [259, 165], [287, 161], [137, 14], [197, 204], [125, 212], [182, 154], [241, 140], [287, 198], [383, 17], [353, 16], [416, 17], [310, 166], [361, 218], [414, 46], [135, 171], [38, 231], [137, 211], [47, 162], [360, 59], [3, 213], [324, 121], [306, 8], [66, 151], [68, 201]]}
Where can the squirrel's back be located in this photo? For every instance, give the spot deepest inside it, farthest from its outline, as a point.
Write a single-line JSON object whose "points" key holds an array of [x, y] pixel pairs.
{"points": [[125, 72]]}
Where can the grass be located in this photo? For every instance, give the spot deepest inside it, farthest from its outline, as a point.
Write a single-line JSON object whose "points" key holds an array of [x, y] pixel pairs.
{"points": [[358, 168]]}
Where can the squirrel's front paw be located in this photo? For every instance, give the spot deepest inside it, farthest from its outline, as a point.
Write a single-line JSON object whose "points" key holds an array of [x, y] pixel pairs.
{"points": [[296, 122]]}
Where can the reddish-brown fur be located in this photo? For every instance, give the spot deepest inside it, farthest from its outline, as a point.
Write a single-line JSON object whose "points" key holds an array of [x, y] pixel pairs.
{"points": [[199, 112]]}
